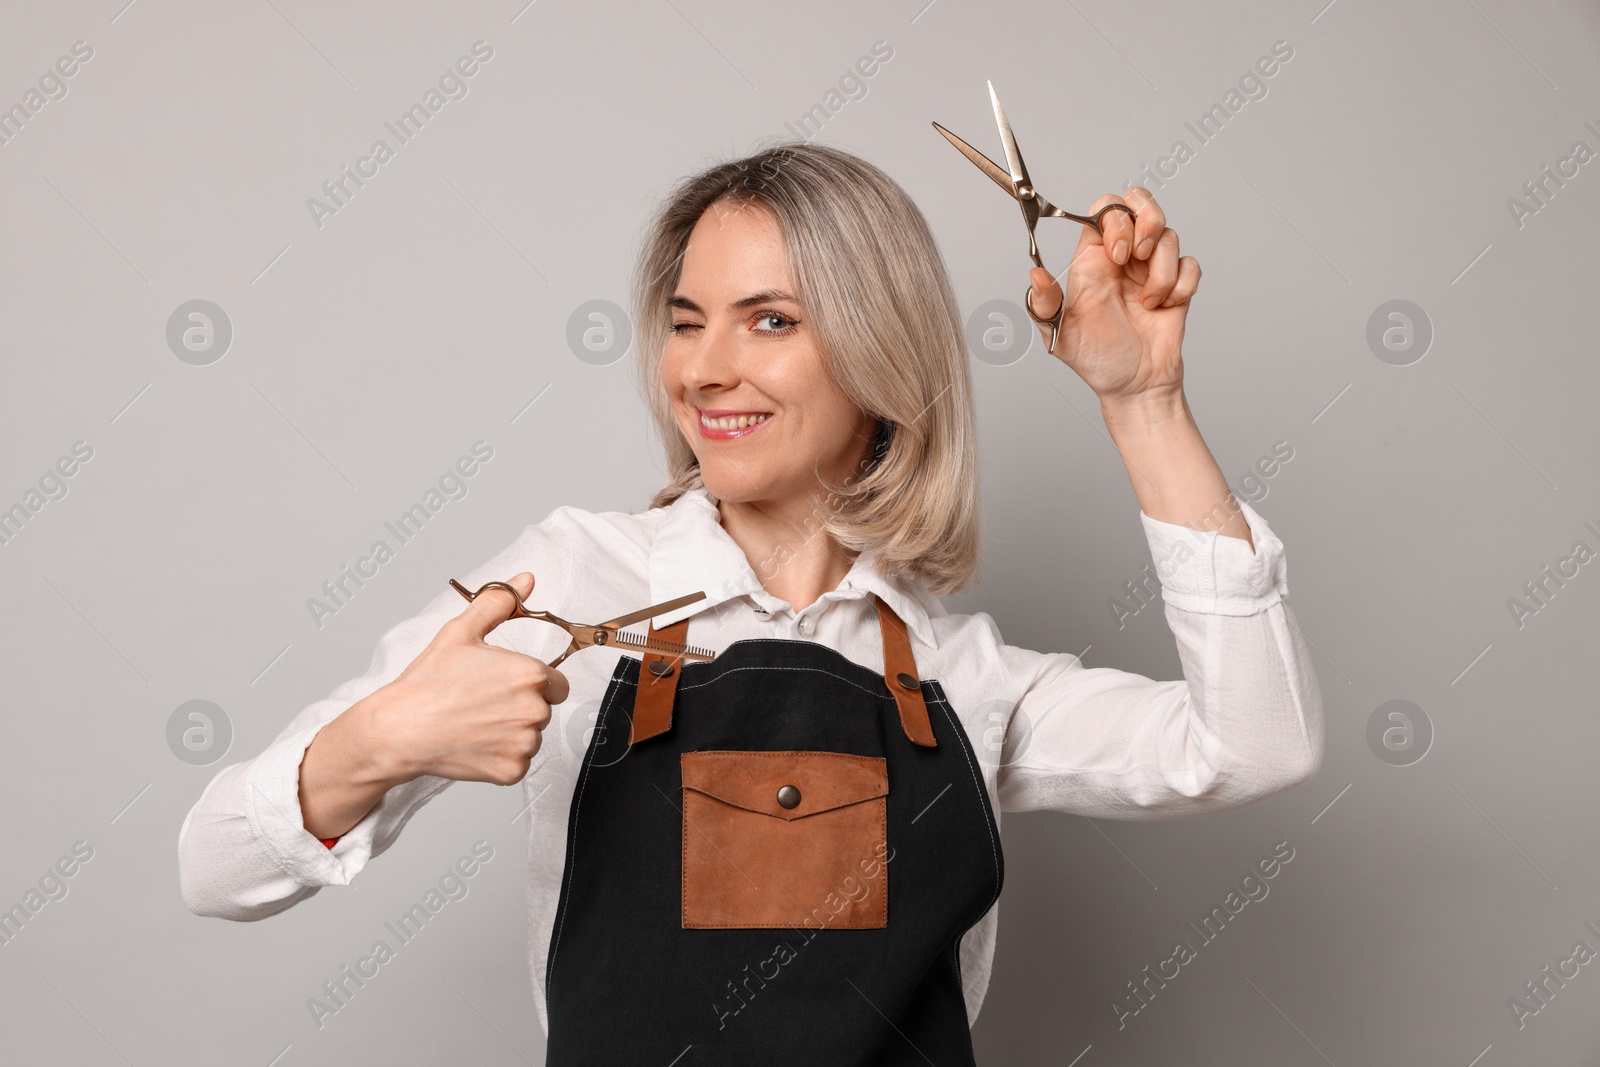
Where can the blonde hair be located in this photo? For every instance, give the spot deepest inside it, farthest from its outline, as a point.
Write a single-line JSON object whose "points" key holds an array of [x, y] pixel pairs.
{"points": [[878, 297]]}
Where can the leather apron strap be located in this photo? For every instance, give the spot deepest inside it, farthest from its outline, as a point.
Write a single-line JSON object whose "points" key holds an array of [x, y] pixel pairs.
{"points": [[658, 683], [659, 674]]}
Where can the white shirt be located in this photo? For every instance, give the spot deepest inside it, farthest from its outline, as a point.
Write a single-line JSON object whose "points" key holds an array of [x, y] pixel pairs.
{"points": [[1051, 734]]}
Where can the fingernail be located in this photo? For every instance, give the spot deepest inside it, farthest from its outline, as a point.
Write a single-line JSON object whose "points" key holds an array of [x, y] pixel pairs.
{"points": [[1145, 246], [1119, 252]]}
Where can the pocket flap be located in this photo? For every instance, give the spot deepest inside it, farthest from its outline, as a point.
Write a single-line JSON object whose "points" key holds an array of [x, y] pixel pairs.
{"points": [[751, 780]]}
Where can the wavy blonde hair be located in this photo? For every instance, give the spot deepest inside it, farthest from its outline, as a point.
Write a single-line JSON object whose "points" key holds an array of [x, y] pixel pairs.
{"points": [[875, 290]]}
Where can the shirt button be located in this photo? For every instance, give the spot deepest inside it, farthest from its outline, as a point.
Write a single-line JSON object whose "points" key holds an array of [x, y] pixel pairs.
{"points": [[807, 624]]}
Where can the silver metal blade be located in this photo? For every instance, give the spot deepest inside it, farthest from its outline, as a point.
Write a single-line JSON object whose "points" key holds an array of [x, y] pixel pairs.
{"points": [[1019, 170], [995, 172]]}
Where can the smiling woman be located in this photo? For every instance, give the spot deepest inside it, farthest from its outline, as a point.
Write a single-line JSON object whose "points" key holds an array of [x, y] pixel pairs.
{"points": [[802, 354], [802, 287]]}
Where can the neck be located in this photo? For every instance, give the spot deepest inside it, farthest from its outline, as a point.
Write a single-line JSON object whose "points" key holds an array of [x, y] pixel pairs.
{"points": [[787, 547]]}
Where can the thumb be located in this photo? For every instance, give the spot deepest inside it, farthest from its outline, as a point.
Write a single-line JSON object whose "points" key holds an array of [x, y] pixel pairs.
{"points": [[1044, 293], [492, 607]]}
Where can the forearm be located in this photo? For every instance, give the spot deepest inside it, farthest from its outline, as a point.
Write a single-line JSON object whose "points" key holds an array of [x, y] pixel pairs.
{"points": [[1174, 474], [344, 774]]}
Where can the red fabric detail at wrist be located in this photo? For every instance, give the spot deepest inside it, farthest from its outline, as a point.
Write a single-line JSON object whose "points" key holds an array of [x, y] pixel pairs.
{"points": [[329, 841]]}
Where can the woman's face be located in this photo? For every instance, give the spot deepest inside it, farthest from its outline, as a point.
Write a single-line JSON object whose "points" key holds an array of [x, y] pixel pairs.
{"points": [[743, 372]]}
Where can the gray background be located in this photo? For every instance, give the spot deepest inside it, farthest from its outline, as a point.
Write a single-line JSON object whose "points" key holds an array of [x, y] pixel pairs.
{"points": [[433, 309]]}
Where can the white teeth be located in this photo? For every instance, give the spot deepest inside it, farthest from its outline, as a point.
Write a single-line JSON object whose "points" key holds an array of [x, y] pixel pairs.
{"points": [[732, 422]]}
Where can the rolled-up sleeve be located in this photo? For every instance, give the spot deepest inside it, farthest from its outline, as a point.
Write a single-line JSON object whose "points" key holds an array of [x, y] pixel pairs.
{"points": [[1244, 722], [244, 852]]}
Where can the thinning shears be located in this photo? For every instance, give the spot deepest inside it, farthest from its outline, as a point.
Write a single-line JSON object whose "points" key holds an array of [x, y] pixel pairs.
{"points": [[605, 633], [1034, 205]]}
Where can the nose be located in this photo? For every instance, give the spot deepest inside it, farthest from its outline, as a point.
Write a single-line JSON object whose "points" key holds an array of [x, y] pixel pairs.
{"points": [[712, 364]]}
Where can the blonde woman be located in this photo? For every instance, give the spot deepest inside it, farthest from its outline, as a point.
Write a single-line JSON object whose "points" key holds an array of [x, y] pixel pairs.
{"points": [[791, 854]]}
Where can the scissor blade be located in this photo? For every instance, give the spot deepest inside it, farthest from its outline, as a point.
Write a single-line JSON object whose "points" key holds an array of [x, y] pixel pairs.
{"points": [[1019, 171], [652, 611], [981, 161]]}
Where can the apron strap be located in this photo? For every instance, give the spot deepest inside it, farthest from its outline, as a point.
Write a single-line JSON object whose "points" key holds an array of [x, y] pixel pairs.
{"points": [[658, 684], [900, 673], [659, 674]]}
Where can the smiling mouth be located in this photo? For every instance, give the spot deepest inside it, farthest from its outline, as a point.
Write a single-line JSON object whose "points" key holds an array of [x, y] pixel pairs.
{"points": [[725, 425], [734, 422]]}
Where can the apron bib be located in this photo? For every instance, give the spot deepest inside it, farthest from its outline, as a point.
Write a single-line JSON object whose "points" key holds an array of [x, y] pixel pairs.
{"points": [[771, 858]]}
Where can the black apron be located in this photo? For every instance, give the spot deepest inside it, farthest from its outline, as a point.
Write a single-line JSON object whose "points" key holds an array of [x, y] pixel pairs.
{"points": [[771, 859]]}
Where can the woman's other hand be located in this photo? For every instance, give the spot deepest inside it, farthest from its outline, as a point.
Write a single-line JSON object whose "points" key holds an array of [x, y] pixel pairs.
{"points": [[1130, 291], [463, 709]]}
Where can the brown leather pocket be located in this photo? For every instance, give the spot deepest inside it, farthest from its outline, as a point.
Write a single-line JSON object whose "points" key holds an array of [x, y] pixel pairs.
{"points": [[785, 839]]}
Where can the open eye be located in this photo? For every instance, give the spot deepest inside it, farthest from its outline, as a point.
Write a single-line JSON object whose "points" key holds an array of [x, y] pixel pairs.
{"points": [[784, 323]]}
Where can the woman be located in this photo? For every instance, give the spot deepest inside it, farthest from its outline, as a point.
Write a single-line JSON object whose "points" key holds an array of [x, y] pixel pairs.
{"points": [[793, 850]]}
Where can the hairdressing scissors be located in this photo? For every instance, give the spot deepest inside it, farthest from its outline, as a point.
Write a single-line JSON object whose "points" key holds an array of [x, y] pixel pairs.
{"points": [[605, 633], [1034, 205]]}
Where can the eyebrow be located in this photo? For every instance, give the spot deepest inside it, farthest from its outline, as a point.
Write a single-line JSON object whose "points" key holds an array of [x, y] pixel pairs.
{"points": [[766, 296]]}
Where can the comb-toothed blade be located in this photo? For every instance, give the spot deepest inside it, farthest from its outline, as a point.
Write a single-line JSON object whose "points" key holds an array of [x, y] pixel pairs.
{"points": [[666, 648], [995, 172], [1019, 171]]}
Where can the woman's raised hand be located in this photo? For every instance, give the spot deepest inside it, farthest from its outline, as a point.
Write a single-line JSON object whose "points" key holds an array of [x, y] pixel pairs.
{"points": [[1128, 297], [463, 709]]}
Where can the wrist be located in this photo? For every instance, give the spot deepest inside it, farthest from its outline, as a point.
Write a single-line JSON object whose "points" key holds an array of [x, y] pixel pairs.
{"points": [[373, 760], [1152, 409]]}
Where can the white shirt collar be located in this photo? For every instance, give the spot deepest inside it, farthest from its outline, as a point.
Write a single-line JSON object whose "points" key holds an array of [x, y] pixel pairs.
{"points": [[692, 552]]}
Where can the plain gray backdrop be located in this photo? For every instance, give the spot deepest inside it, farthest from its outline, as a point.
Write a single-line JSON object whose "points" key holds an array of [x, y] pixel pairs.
{"points": [[1441, 459]]}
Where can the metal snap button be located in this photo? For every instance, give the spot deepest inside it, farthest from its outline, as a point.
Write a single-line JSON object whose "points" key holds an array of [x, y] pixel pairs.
{"points": [[906, 681], [660, 668], [788, 796]]}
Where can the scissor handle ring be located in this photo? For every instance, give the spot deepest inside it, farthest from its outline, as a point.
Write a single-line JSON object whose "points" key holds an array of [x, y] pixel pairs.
{"points": [[1098, 215], [1094, 220], [520, 613], [1054, 324]]}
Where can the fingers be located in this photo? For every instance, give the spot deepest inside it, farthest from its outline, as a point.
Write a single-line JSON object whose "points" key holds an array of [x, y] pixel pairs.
{"points": [[1188, 282], [1163, 273], [492, 607], [552, 684], [1117, 231], [1151, 222]]}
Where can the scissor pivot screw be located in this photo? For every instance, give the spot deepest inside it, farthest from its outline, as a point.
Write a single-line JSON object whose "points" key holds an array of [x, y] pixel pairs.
{"points": [[1025, 192]]}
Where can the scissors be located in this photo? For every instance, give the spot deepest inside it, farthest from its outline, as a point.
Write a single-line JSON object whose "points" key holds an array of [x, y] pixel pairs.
{"points": [[605, 633], [1034, 205]]}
